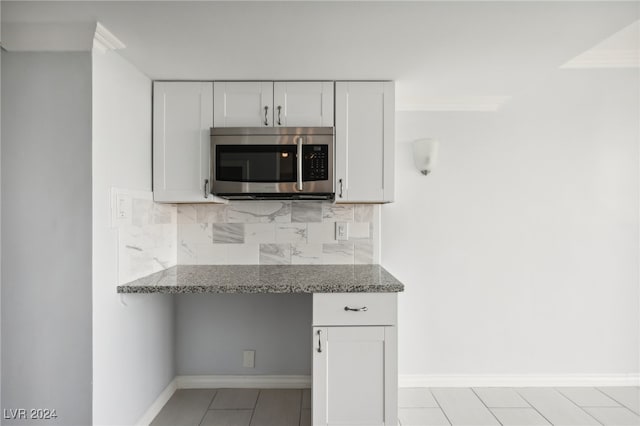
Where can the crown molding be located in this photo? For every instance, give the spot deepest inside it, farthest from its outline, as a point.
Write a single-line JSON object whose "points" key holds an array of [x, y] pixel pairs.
{"points": [[104, 40], [58, 37], [47, 36], [455, 103], [627, 58]]}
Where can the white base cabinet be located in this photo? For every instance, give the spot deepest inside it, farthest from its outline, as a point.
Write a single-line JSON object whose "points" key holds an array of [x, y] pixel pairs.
{"points": [[354, 359]]}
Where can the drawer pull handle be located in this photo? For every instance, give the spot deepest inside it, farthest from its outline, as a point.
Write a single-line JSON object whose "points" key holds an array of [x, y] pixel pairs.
{"points": [[319, 341], [363, 309]]}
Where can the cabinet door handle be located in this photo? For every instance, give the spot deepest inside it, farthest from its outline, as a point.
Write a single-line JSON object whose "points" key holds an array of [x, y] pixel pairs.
{"points": [[266, 109], [206, 185], [340, 182], [319, 341], [279, 111], [362, 309]]}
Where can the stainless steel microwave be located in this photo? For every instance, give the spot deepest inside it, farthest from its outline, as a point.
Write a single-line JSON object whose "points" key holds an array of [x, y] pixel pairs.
{"points": [[273, 163]]}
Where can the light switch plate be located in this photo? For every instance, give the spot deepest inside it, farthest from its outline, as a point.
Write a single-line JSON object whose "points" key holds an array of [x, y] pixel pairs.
{"points": [[121, 207], [342, 231]]}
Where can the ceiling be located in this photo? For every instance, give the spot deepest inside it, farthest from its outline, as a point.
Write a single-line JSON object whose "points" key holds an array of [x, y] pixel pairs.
{"points": [[444, 55]]}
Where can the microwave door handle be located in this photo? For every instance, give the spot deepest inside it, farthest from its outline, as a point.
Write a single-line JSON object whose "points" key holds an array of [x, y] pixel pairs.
{"points": [[299, 158]]}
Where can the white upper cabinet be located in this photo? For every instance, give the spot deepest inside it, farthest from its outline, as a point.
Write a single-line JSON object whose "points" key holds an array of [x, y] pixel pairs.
{"points": [[365, 117], [243, 103], [363, 113], [303, 104], [182, 117], [273, 104]]}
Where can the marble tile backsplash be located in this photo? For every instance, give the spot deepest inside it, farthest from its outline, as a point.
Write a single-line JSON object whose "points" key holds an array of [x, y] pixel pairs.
{"points": [[147, 237], [154, 236], [275, 233]]}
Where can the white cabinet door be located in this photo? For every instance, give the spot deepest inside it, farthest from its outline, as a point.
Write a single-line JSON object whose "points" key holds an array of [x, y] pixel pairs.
{"points": [[243, 103], [365, 116], [354, 376], [182, 118], [303, 104]]}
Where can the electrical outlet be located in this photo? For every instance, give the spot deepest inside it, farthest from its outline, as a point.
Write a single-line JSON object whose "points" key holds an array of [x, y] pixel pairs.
{"points": [[249, 359], [342, 231]]}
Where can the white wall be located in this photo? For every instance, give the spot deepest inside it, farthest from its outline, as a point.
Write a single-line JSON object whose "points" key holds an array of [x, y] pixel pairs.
{"points": [[212, 330], [46, 234], [520, 251], [132, 344]]}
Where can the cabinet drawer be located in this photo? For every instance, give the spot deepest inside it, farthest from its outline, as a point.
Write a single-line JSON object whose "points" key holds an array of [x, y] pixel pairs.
{"points": [[355, 309]]}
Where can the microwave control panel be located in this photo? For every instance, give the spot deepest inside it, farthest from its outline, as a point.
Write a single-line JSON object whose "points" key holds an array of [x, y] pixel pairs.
{"points": [[315, 162]]}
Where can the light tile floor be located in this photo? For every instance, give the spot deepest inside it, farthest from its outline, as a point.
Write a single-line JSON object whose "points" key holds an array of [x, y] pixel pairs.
{"points": [[608, 406], [236, 407]]}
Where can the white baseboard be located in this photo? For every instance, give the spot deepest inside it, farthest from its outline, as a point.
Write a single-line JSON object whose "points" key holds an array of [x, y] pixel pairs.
{"points": [[423, 380], [262, 382], [157, 405]]}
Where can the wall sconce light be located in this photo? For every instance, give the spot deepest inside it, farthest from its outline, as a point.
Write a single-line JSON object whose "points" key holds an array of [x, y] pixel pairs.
{"points": [[425, 154]]}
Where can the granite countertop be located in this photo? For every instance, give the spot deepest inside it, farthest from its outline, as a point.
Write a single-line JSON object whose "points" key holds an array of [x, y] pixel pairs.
{"points": [[267, 279]]}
